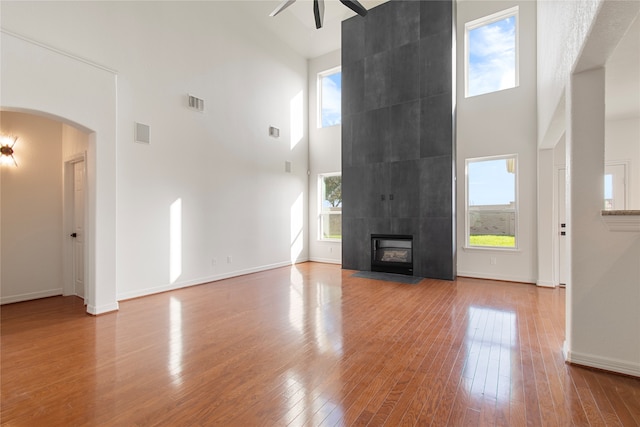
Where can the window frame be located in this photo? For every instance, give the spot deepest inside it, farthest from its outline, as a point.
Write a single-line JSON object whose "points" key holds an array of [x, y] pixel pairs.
{"points": [[467, 244], [619, 180], [321, 75], [321, 211], [486, 20]]}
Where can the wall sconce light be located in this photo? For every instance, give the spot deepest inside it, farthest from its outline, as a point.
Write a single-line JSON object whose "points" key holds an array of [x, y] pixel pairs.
{"points": [[6, 151]]}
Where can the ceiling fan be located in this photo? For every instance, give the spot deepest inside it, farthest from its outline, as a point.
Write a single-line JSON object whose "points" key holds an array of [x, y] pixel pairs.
{"points": [[318, 9]]}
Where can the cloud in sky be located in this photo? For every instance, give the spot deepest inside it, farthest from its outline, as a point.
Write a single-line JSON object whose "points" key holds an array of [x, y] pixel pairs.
{"points": [[332, 99], [490, 183], [492, 57]]}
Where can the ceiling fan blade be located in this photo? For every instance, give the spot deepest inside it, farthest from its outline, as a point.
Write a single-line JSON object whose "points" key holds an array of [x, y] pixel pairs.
{"points": [[282, 6], [355, 6], [318, 12]]}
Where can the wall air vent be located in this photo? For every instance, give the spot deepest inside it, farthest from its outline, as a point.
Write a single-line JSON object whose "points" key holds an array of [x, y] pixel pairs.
{"points": [[196, 103], [142, 133]]}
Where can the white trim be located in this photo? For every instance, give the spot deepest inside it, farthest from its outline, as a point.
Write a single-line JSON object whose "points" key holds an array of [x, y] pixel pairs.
{"points": [[503, 277], [102, 127], [326, 260], [486, 20], [468, 160], [59, 51], [504, 250], [545, 284], [67, 218], [203, 280], [319, 78], [606, 363], [329, 240], [320, 194], [92, 309], [627, 164], [555, 228], [31, 296]]}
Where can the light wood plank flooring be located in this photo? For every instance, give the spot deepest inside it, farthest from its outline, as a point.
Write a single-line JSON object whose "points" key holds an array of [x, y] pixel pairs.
{"points": [[307, 345]]}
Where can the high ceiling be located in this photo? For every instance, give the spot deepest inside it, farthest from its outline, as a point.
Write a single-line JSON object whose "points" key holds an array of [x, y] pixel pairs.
{"points": [[296, 26]]}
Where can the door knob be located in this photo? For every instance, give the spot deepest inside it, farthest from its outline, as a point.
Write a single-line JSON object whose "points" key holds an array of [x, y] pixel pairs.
{"points": [[74, 235]]}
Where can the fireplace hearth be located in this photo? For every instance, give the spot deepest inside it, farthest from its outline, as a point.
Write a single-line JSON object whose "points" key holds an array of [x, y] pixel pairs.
{"points": [[392, 253]]}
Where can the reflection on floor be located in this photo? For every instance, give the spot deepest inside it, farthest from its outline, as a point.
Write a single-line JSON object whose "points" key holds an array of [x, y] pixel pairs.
{"points": [[306, 345]]}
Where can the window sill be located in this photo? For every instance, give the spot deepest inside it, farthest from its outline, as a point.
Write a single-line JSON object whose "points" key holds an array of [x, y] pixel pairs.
{"points": [[490, 248], [627, 220]]}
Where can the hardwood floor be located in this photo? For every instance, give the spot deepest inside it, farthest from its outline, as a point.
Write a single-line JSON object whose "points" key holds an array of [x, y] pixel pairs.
{"points": [[306, 345]]}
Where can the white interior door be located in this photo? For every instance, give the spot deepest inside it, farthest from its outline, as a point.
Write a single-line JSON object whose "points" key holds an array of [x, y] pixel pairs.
{"points": [[78, 228], [562, 224]]}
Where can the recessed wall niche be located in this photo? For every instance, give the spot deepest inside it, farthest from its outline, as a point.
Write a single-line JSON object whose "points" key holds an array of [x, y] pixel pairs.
{"points": [[398, 138]]}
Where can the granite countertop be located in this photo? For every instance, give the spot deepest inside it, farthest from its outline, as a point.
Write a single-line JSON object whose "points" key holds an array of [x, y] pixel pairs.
{"points": [[625, 212]]}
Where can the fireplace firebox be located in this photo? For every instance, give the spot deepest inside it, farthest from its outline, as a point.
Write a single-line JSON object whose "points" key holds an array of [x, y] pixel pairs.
{"points": [[392, 253]]}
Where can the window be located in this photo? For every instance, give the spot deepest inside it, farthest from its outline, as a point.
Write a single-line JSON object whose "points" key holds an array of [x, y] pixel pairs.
{"points": [[614, 187], [491, 48], [492, 209], [330, 98], [330, 206]]}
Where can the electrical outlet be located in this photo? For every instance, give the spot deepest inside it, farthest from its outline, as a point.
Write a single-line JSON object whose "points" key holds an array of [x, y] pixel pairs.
{"points": [[493, 260], [229, 259]]}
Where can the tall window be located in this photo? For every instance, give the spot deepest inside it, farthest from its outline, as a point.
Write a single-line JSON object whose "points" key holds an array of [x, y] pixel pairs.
{"points": [[615, 182], [491, 53], [330, 98], [492, 208], [330, 206]]}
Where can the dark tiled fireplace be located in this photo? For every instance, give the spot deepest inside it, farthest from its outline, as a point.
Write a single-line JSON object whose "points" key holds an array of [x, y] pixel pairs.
{"points": [[392, 253], [398, 136]]}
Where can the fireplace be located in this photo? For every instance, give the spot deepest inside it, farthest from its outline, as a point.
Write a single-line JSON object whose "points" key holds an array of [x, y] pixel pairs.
{"points": [[392, 253]]}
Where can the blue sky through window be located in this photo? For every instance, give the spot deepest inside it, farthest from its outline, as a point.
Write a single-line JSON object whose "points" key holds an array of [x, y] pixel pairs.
{"points": [[331, 108], [490, 183], [492, 57], [608, 186]]}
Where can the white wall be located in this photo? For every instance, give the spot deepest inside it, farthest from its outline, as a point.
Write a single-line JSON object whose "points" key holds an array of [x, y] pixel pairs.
{"points": [[562, 28], [547, 219], [604, 283], [622, 145], [603, 294], [31, 231], [74, 142], [220, 166], [325, 156], [36, 78], [495, 124]]}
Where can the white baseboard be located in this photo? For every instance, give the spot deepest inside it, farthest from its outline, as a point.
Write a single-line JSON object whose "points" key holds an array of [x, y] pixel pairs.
{"points": [[326, 260], [92, 309], [502, 277], [545, 284], [202, 280], [31, 295], [605, 363]]}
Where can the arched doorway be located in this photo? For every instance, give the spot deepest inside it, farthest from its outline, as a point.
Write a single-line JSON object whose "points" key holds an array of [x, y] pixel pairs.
{"points": [[43, 204], [44, 81]]}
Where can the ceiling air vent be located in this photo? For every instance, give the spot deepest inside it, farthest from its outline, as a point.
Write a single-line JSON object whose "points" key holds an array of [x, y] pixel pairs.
{"points": [[196, 103]]}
